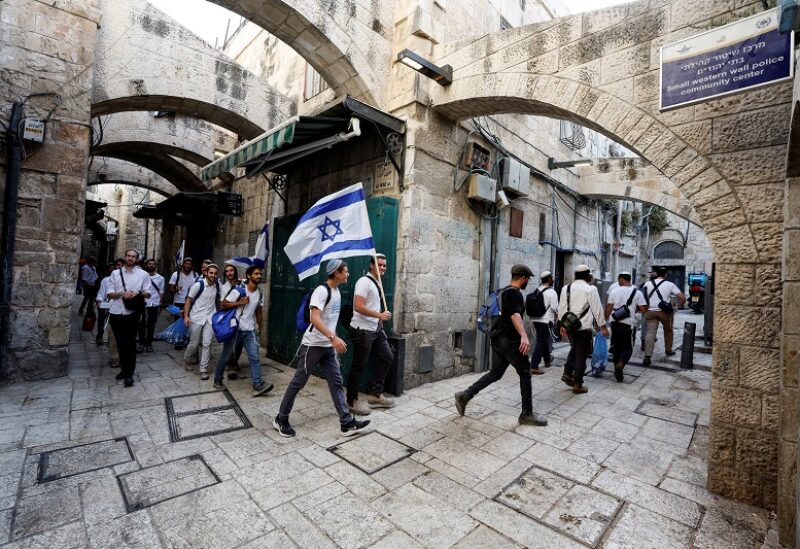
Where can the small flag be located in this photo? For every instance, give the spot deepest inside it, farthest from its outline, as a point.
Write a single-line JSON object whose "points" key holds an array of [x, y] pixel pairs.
{"points": [[180, 254], [336, 226], [260, 257]]}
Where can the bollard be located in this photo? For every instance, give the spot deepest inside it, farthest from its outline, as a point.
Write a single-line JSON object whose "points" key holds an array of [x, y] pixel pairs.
{"points": [[687, 347]]}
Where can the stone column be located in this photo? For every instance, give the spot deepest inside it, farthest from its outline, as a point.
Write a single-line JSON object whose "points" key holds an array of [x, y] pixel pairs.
{"points": [[48, 48]]}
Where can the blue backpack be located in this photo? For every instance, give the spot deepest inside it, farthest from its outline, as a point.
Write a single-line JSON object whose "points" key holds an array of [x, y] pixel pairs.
{"points": [[302, 318], [224, 322], [489, 320]]}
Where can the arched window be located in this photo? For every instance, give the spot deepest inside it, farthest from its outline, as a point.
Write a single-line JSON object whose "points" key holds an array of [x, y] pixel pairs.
{"points": [[668, 250]]}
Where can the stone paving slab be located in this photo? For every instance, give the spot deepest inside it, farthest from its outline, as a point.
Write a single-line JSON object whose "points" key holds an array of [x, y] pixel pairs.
{"points": [[622, 466], [82, 459]]}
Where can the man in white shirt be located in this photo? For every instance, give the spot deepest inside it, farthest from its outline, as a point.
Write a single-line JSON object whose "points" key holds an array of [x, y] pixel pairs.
{"points": [[127, 283], [659, 294], [543, 322], [625, 303], [231, 280], [147, 324], [248, 299], [580, 298], [319, 347], [200, 306], [367, 335], [88, 281], [179, 284]]}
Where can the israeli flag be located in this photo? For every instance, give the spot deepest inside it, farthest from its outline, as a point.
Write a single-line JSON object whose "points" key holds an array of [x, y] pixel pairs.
{"points": [[336, 226], [179, 255], [260, 257]]}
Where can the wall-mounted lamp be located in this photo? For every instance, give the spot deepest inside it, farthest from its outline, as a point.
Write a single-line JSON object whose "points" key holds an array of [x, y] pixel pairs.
{"points": [[553, 165], [442, 75]]}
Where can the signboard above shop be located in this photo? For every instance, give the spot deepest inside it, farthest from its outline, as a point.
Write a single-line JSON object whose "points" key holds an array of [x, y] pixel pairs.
{"points": [[731, 59]]}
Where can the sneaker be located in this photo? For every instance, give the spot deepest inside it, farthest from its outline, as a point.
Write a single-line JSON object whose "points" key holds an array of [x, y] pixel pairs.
{"points": [[670, 353], [462, 397], [128, 382], [646, 361], [148, 349], [119, 376], [548, 364], [537, 371], [282, 426], [219, 386], [188, 366], [358, 409], [354, 426], [204, 375], [233, 372], [113, 364], [532, 419], [380, 401], [568, 380], [618, 375], [579, 389], [262, 388]]}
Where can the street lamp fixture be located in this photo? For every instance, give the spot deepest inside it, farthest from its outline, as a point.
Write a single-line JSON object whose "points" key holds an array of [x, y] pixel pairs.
{"points": [[553, 165], [442, 75]]}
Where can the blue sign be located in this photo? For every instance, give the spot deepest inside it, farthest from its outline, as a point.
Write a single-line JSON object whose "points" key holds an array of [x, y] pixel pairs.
{"points": [[730, 59]]}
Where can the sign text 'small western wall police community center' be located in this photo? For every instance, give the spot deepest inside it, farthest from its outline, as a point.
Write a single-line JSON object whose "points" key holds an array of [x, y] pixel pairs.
{"points": [[730, 59]]}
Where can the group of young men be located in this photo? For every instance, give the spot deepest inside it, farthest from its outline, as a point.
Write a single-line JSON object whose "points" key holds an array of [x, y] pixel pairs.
{"points": [[579, 310]]}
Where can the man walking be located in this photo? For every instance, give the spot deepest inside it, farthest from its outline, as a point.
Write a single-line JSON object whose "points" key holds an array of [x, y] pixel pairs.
{"points": [[543, 304], [510, 347], [659, 294], [249, 315], [126, 284], [580, 298], [201, 304], [367, 334], [147, 324], [623, 309], [231, 274], [179, 284], [102, 303], [88, 287], [320, 346]]}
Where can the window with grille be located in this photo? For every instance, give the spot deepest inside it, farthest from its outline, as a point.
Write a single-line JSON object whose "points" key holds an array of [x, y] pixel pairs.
{"points": [[668, 250], [315, 84], [251, 242], [542, 227]]}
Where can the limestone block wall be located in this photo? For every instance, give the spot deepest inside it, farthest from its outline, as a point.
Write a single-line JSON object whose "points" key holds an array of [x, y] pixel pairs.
{"points": [[47, 48]]}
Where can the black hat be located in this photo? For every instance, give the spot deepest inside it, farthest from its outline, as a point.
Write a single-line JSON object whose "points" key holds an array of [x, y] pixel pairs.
{"points": [[521, 270]]}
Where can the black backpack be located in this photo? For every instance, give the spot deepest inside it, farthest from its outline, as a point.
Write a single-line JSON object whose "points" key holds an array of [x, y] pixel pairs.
{"points": [[534, 304], [346, 312]]}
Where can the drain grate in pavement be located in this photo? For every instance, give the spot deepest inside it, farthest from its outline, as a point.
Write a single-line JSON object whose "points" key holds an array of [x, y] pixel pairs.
{"points": [[152, 485], [203, 415], [84, 458], [577, 511], [372, 452], [665, 409]]}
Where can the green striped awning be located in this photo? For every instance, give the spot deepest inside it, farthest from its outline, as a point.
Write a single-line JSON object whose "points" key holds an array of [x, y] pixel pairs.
{"points": [[266, 142]]}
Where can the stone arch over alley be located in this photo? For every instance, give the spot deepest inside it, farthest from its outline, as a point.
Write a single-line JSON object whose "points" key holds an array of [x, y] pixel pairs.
{"points": [[346, 42], [602, 72]]}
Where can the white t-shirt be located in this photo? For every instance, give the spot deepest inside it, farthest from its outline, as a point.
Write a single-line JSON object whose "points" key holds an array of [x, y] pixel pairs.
{"points": [[182, 283], [619, 298], [247, 314], [158, 290], [551, 303], [667, 289], [367, 287], [204, 305], [102, 294], [611, 288], [330, 316], [136, 280], [581, 294]]}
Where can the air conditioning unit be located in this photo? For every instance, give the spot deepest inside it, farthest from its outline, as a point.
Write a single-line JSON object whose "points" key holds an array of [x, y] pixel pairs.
{"points": [[514, 177], [482, 188]]}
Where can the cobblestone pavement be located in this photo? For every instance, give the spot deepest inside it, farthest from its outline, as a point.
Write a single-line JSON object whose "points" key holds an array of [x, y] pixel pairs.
{"points": [[85, 462]]}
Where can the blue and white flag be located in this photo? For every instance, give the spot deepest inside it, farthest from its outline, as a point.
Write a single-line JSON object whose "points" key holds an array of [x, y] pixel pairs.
{"points": [[179, 255], [260, 257], [336, 226]]}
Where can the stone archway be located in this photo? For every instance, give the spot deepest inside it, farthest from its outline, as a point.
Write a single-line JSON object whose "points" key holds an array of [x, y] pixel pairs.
{"points": [[112, 171], [154, 158], [345, 42], [726, 157]]}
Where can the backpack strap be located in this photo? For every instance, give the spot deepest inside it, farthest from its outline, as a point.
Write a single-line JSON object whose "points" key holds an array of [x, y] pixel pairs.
{"points": [[656, 291], [630, 299], [122, 277], [328, 300], [377, 286], [569, 294]]}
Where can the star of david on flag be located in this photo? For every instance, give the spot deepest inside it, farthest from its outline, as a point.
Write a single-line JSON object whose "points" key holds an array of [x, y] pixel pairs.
{"points": [[261, 251], [335, 227]]}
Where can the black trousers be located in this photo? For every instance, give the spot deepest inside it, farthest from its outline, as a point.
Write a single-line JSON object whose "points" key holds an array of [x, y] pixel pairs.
{"points": [[542, 346], [365, 342], [124, 328], [621, 342], [580, 349], [89, 296], [147, 325], [102, 315], [505, 352]]}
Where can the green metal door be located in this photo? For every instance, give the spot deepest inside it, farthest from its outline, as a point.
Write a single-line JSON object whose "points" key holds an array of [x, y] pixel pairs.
{"points": [[286, 290]]}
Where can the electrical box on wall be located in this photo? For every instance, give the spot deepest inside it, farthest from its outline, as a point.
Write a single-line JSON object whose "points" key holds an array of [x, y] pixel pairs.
{"points": [[476, 156], [33, 130], [482, 188], [514, 176]]}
